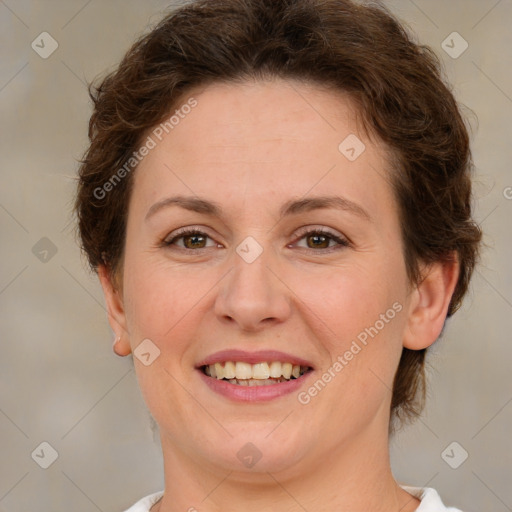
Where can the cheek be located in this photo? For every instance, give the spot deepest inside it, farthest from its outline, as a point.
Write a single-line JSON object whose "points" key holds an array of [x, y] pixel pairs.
{"points": [[160, 303], [345, 301], [357, 314], [149, 305], [360, 328], [160, 296]]}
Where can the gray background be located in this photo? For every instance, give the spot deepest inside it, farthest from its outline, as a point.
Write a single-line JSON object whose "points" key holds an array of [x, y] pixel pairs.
{"points": [[61, 382]]}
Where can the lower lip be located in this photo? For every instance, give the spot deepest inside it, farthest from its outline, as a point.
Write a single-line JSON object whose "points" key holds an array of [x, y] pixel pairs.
{"points": [[241, 393]]}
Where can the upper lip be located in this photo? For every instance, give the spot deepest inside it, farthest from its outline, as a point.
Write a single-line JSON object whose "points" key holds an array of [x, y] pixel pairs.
{"points": [[253, 357]]}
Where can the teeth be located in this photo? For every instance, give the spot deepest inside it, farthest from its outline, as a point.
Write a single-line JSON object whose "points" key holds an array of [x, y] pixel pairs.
{"points": [[260, 371], [256, 382], [243, 370], [219, 371], [286, 370], [255, 374], [275, 369], [229, 370]]}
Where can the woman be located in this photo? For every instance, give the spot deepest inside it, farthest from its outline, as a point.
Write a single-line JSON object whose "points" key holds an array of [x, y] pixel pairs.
{"points": [[276, 198]]}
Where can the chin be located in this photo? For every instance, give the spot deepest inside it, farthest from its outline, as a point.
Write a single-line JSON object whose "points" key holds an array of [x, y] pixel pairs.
{"points": [[259, 450]]}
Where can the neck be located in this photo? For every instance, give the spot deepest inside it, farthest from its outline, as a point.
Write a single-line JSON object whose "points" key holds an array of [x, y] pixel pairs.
{"points": [[355, 476]]}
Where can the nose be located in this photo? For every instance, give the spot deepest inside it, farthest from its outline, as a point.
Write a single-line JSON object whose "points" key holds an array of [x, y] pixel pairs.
{"points": [[253, 295]]}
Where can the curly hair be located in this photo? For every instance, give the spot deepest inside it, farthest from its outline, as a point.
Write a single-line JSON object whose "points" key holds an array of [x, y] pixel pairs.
{"points": [[396, 84]]}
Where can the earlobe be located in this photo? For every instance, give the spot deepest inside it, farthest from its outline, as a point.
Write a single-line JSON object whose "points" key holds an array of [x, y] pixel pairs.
{"points": [[115, 311], [121, 349], [429, 304]]}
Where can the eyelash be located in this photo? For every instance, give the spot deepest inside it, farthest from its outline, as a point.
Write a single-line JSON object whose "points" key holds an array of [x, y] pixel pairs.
{"points": [[342, 242]]}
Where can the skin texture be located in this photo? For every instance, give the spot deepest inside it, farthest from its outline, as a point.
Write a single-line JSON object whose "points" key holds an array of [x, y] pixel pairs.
{"points": [[250, 148]]}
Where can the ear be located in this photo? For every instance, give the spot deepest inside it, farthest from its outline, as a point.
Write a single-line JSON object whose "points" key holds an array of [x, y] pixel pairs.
{"points": [[429, 304], [115, 310]]}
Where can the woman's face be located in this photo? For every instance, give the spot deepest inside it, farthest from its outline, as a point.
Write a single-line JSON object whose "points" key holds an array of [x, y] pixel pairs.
{"points": [[258, 276]]}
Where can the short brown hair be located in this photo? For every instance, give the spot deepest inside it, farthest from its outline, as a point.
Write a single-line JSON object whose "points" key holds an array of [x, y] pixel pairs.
{"points": [[362, 50]]}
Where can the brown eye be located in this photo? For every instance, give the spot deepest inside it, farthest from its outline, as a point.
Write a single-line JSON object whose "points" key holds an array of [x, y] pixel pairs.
{"points": [[191, 239], [318, 241], [321, 239], [194, 241]]}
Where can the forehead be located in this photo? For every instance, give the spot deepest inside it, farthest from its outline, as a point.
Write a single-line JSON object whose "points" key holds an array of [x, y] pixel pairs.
{"points": [[262, 139], [263, 114]]}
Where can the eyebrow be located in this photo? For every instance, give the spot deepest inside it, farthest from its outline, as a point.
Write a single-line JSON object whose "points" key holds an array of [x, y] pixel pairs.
{"points": [[291, 207]]}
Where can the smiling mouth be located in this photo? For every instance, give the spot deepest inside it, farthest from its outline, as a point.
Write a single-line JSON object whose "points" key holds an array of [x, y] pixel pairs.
{"points": [[259, 374]]}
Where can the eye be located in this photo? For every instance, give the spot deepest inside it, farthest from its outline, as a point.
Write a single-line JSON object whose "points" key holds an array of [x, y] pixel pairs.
{"points": [[192, 239], [322, 239]]}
